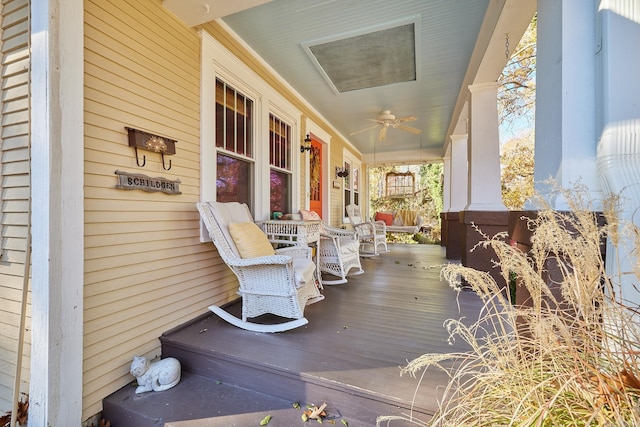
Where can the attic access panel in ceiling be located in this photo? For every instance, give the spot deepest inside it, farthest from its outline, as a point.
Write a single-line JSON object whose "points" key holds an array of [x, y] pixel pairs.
{"points": [[368, 60]]}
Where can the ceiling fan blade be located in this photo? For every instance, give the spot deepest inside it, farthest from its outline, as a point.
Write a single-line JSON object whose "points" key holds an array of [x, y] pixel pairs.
{"points": [[363, 130], [406, 119], [383, 133], [410, 129]]}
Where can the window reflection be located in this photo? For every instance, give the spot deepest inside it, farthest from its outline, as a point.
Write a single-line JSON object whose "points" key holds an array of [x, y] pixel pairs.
{"points": [[233, 178]]}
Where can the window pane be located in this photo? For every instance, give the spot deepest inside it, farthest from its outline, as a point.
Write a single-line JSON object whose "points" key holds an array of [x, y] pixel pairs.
{"points": [[279, 143], [241, 142], [232, 180], [234, 120], [230, 126], [220, 122], [247, 131], [347, 198], [280, 191], [355, 179]]}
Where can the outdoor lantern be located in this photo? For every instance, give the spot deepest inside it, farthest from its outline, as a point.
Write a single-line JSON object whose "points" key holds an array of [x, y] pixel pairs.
{"points": [[306, 145]]}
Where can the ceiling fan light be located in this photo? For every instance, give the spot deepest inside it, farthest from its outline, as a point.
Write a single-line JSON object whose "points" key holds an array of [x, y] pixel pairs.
{"points": [[388, 120], [386, 115]]}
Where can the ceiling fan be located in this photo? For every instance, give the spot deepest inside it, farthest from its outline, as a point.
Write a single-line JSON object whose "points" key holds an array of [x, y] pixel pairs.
{"points": [[387, 120]]}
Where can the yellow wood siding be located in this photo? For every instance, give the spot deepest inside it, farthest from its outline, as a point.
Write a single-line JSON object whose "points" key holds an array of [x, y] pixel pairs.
{"points": [[145, 269], [14, 203]]}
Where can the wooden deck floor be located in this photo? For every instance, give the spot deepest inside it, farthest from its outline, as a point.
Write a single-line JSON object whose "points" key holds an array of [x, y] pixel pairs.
{"points": [[361, 334]]}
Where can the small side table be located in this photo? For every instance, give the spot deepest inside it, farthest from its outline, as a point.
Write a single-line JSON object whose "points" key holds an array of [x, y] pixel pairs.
{"points": [[295, 233]]}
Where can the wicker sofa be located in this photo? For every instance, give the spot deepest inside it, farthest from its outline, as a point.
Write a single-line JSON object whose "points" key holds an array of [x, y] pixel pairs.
{"points": [[400, 221]]}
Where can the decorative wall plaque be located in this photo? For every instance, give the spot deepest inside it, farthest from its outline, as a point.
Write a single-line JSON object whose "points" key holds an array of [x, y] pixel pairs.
{"points": [[136, 181]]}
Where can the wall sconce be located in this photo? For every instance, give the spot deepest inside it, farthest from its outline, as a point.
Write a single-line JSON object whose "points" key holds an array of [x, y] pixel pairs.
{"points": [[306, 145], [341, 172], [150, 142]]}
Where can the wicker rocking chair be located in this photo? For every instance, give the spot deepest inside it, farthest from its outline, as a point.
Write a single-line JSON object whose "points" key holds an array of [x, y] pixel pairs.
{"points": [[370, 233], [281, 284], [339, 253]]}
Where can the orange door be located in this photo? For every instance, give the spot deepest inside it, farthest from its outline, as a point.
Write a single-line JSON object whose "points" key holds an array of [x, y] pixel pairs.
{"points": [[315, 176]]}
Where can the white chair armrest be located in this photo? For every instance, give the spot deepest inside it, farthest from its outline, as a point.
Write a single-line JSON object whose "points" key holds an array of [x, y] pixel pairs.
{"points": [[263, 260], [335, 241], [362, 225], [338, 232], [380, 226], [295, 251]]}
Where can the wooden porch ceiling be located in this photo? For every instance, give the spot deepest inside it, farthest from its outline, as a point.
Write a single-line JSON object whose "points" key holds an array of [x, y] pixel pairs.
{"points": [[454, 44]]}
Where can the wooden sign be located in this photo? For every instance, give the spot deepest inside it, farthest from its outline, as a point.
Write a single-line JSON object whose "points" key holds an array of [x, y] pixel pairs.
{"points": [[136, 181]]}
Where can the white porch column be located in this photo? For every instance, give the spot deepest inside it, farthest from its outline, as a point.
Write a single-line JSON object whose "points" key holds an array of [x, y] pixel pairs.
{"points": [[55, 389], [446, 182], [620, 60], [484, 150], [619, 148], [458, 189], [565, 146]]}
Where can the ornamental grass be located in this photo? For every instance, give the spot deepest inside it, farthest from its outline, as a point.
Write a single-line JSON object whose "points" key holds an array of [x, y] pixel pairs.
{"points": [[569, 355]]}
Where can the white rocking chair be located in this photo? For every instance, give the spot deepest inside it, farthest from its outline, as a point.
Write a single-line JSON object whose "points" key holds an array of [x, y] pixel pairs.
{"points": [[281, 284], [339, 253], [370, 233]]}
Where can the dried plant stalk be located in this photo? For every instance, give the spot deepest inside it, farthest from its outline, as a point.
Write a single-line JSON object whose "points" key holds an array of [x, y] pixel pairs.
{"points": [[570, 357]]}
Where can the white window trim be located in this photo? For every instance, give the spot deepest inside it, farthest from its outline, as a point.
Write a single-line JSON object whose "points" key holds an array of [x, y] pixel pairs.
{"points": [[218, 62]]}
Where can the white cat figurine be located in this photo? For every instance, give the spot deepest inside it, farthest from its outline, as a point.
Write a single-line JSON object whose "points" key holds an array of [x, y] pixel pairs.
{"points": [[157, 376]]}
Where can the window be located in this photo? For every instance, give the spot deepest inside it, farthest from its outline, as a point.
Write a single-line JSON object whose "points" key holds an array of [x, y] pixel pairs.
{"points": [[279, 165], [248, 137], [351, 183], [234, 132], [400, 184]]}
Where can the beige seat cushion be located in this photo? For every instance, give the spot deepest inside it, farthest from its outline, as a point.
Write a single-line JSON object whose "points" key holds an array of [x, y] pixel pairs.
{"points": [[250, 240], [349, 245], [224, 213], [303, 269]]}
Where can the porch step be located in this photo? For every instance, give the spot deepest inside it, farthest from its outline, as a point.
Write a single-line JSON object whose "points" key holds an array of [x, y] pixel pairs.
{"points": [[358, 407], [198, 401], [216, 399]]}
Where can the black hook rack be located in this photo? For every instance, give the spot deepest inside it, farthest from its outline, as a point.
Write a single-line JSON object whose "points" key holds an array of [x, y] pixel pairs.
{"points": [[163, 166], [139, 139], [144, 159]]}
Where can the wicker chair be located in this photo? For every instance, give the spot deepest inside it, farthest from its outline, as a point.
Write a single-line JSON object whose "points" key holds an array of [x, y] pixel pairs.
{"points": [[339, 253], [370, 233], [281, 284]]}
